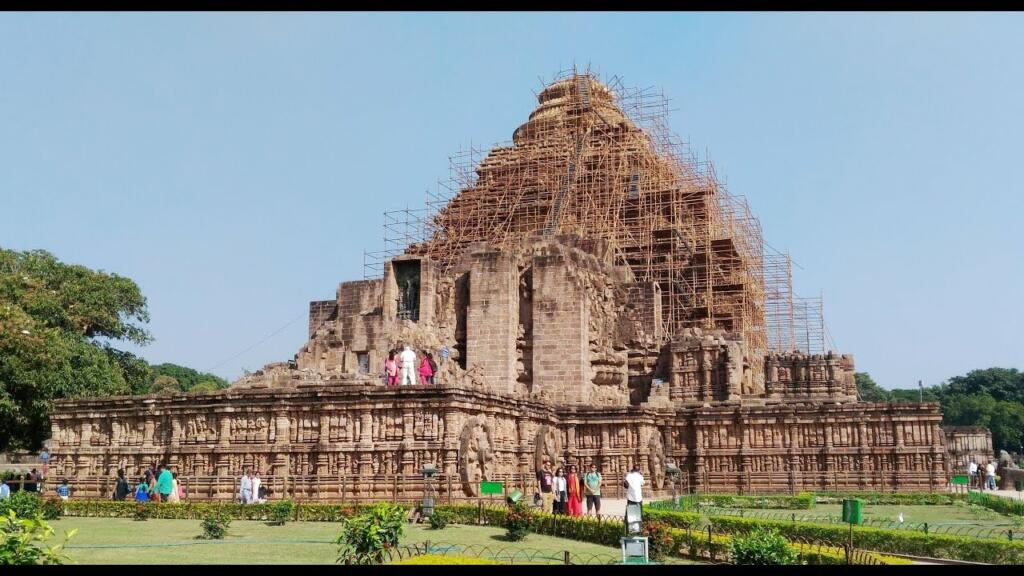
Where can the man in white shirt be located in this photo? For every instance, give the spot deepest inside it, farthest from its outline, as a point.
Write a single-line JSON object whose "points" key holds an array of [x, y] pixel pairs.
{"points": [[634, 485], [245, 488], [408, 358], [972, 473], [990, 475]]}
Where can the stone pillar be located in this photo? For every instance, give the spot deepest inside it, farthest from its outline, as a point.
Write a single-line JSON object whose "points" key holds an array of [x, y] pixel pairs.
{"points": [[492, 319], [561, 326], [224, 435], [148, 429]]}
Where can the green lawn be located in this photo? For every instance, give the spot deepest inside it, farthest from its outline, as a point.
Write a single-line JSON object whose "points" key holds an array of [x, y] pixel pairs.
{"points": [[125, 541], [964, 519]]}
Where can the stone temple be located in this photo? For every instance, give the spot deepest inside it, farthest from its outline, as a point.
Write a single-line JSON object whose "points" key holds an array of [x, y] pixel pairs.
{"points": [[603, 299]]}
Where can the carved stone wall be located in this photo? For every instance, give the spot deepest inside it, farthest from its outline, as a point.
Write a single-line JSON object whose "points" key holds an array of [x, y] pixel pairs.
{"points": [[355, 441], [966, 443]]}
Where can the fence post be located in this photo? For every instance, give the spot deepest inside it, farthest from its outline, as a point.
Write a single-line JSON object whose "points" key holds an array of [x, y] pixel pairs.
{"points": [[480, 513], [925, 527], [394, 489], [567, 562], [1010, 534], [426, 547]]}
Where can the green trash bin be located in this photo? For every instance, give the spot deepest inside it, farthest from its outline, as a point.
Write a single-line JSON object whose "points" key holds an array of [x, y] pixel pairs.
{"points": [[852, 513], [515, 496]]}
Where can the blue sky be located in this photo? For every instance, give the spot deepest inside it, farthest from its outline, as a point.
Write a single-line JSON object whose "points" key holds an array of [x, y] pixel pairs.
{"points": [[237, 165]]}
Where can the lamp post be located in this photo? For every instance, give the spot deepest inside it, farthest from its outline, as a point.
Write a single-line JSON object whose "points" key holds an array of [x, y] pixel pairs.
{"points": [[921, 387], [429, 494]]}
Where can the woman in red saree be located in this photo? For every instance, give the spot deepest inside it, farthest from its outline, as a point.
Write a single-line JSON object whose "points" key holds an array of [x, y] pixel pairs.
{"points": [[575, 489]]}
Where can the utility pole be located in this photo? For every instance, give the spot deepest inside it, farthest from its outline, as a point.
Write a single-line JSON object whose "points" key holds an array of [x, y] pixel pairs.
{"points": [[921, 387]]}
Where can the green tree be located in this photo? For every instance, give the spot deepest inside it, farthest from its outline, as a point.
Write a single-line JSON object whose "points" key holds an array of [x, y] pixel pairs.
{"points": [[57, 323], [188, 379], [868, 390], [164, 385], [999, 383]]}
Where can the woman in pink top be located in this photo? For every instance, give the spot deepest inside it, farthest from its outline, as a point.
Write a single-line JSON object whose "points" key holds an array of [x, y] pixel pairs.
{"points": [[426, 372], [391, 369]]}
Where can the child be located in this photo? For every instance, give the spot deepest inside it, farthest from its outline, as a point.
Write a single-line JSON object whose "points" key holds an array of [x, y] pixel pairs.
{"points": [[64, 490], [142, 491]]}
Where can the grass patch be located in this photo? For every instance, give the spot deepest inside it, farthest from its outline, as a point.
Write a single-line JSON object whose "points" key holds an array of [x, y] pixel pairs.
{"points": [[123, 541]]}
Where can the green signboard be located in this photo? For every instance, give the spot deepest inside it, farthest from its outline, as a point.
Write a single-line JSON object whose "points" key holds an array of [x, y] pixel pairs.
{"points": [[960, 480], [492, 488]]}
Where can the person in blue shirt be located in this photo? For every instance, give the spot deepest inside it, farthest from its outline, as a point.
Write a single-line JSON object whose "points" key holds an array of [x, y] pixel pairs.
{"points": [[5, 491], [142, 491], [64, 490]]}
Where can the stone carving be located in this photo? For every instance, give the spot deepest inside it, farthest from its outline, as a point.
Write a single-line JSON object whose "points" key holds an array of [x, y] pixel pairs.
{"points": [[1006, 461], [547, 447], [656, 461], [475, 454]]}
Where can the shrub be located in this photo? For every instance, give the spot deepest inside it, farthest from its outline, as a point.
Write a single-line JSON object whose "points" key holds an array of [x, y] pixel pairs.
{"points": [[215, 525], [142, 512], [762, 547], [437, 559], [440, 518], [684, 520], [51, 508], [281, 512], [18, 540], [517, 522], [24, 504], [364, 538], [660, 542]]}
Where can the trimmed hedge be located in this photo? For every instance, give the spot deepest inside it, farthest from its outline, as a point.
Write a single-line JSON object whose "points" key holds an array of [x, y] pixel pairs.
{"points": [[802, 501], [893, 498], [884, 540], [997, 503], [198, 510], [687, 540]]}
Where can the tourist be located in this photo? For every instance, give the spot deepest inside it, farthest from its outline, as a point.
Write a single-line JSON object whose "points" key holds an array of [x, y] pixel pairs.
{"points": [[30, 481], [433, 368], [64, 491], [408, 358], [121, 488], [175, 495], [45, 457], [545, 480], [633, 484], [142, 490], [426, 373], [164, 483], [990, 475], [575, 492], [443, 353], [592, 489], [245, 488], [151, 484], [5, 490], [391, 369], [256, 485], [972, 472], [561, 497]]}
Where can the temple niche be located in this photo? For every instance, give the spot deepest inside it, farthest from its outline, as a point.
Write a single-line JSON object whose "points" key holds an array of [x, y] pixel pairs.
{"points": [[589, 295]]}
